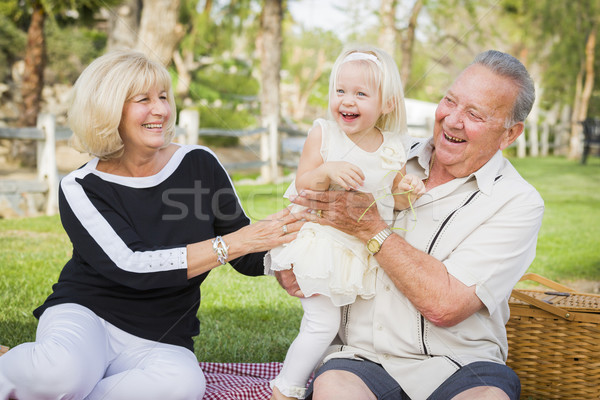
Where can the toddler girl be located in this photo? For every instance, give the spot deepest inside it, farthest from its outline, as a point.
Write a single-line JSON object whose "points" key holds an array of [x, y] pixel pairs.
{"points": [[358, 148]]}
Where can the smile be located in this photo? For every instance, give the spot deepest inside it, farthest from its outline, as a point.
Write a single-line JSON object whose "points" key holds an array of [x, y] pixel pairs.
{"points": [[349, 115], [453, 139], [152, 126]]}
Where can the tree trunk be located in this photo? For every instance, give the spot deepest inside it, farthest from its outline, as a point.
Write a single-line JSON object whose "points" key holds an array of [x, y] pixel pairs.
{"points": [[23, 152], [387, 36], [522, 144], [123, 25], [563, 132], [304, 91], [183, 57], [408, 43], [160, 31], [184, 76], [574, 138], [270, 41], [35, 61], [533, 120], [588, 87], [583, 94], [550, 125]]}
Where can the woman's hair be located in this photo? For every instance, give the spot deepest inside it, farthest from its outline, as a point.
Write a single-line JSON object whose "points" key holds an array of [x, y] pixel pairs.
{"points": [[384, 74], [508, 66], [100, 93]]}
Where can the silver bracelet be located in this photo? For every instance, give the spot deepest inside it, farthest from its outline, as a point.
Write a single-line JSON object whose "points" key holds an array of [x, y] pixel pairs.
{"points": [[220, 249]]}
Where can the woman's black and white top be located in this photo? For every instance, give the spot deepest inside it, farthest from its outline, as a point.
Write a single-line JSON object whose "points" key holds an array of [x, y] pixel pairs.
{"points": [[129, 236]]}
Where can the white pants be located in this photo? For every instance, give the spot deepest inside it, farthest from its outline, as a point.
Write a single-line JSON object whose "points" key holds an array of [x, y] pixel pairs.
{"points": [[78, 355], [320, 324]]}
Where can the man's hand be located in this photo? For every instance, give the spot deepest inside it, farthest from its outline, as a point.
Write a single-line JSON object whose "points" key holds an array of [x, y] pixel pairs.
{"points": [[287, 280], [352, 212]]}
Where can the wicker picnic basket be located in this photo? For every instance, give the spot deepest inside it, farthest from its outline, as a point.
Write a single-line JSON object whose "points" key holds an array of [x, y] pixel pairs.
{"points": [[554, 341]]}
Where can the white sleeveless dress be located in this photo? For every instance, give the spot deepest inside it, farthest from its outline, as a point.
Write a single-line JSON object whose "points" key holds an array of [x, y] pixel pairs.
{"points": [[327, 261]]}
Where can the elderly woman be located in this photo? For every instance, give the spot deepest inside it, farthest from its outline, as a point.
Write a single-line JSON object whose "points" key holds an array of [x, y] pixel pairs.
{"points": [[148, 220]]}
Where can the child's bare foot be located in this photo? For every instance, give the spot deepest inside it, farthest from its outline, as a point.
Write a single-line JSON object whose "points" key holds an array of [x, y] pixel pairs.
{"points": [[3, 349], [277, 395]]}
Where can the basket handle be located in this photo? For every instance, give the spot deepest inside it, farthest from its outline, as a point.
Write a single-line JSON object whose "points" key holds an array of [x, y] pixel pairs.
{"points": [[559, 312], [530, 276]]}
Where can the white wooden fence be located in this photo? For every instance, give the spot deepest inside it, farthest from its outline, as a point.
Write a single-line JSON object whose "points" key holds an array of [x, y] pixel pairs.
{"points": [[46, 134]]}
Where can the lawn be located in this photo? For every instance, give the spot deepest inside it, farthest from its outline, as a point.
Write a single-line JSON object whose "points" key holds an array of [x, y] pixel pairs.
{"points": [[247, 319]]}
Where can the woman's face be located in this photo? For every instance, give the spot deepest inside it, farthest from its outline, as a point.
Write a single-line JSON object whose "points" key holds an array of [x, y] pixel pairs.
{"points": [[144, 116]]}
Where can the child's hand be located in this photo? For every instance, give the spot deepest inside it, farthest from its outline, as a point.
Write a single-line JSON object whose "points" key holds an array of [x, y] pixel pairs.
{"points": [[409, 189], [410, 183], [345, 174]]}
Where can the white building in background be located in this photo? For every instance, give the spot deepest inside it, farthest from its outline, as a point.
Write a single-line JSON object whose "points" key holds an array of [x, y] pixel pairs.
{"points": [[420, 116]]}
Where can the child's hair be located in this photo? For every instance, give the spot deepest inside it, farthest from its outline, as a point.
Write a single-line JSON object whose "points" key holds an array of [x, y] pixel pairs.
{"points": [[100, 93], [385, 76]]}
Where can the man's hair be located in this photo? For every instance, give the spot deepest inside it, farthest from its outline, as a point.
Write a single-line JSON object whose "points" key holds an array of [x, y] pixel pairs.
{"points": [[508, 66]]}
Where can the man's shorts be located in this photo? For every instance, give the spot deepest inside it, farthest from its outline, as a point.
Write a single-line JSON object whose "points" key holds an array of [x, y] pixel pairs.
{"points": [[481, 373]]}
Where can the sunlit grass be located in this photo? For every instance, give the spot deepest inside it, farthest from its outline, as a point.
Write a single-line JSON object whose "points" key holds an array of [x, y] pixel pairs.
{"points": [[246, 319], [568, 242]]}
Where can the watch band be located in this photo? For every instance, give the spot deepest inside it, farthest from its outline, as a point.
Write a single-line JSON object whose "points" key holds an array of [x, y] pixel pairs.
{"points": [[374, 244]]}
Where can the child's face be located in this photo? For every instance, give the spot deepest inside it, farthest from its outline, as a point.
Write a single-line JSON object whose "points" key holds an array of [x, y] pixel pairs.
{"points": [[356, 102]]}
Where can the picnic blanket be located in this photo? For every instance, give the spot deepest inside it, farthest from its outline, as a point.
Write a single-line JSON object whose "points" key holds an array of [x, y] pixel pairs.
{"points": [[234, 381], [239, 381]]}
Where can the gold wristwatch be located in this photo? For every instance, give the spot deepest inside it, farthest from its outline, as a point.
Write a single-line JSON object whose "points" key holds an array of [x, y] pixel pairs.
{"points": [[374, 244]]}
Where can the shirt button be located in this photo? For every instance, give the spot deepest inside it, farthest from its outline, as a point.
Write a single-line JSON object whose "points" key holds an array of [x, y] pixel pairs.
{"points": [[386, 356], [388, 288]]}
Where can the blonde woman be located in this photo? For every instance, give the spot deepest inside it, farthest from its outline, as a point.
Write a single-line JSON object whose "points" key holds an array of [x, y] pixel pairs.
{"points": [[148, 220]]}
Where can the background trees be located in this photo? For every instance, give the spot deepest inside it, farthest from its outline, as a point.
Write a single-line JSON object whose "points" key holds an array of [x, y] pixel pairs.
{"points": [[223, 57], [567, 36]]}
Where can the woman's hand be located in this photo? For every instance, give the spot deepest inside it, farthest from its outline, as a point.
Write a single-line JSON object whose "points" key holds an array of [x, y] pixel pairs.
{"points": [[352, 212], [275, 230]]}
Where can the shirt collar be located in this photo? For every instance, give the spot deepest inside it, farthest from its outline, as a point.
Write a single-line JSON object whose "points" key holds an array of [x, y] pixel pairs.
{"points": [[484, 176], [487, 174]]}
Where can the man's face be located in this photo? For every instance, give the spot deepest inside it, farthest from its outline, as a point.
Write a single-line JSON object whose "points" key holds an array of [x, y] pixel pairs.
{"points": [[469, 121]]}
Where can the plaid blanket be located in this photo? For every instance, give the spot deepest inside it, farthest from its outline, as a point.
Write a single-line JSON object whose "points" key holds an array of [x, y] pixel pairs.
{"points": [[239, 381]]}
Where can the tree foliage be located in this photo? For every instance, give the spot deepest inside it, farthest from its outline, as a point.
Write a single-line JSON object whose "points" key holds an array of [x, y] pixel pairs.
{"points": [[308, 56], [218, 62], [560, 30], [12, 45], [70, 49]]}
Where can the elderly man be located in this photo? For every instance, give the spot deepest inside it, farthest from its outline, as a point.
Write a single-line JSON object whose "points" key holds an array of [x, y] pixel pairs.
{"points": [[436, 327]]}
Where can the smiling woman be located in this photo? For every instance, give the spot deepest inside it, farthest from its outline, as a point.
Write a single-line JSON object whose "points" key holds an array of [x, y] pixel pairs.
{"points": [[99, 106], [142, 133], [148, 220]]}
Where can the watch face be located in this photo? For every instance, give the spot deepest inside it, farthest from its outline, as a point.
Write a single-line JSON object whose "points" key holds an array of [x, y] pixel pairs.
{"points": [[373, 246]]}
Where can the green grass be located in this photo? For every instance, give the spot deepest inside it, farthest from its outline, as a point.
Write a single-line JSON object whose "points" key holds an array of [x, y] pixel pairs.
{"points": [[568, 244], [247, 319]]}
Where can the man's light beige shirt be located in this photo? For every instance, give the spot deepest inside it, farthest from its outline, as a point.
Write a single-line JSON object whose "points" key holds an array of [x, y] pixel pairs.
{"points": [[484, 229]]}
